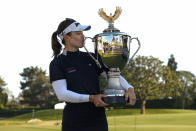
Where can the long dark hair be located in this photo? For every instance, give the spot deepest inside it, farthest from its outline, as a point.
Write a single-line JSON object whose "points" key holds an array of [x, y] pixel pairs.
{"points": [[56, 46]]}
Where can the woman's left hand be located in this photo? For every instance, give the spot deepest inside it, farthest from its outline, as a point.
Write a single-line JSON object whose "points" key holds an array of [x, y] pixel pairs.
{"points": [[130, 95]]}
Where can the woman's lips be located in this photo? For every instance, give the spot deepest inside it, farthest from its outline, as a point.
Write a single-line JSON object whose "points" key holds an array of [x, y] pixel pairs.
{"points": [[83, 42]]}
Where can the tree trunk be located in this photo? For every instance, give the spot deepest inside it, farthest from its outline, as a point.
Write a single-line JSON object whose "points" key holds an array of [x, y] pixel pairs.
{"points": [[143, 106], [183, 103], [183, 100]]}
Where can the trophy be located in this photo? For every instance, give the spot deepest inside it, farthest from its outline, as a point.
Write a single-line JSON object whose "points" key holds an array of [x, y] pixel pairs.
{"points": [[114, 48]]}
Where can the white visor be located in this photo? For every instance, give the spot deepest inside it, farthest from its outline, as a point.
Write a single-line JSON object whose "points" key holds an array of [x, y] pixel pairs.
{"points": [[75, 26]]}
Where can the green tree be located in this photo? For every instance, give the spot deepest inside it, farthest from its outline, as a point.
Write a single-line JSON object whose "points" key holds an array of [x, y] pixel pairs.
{"points": [[172, 63], [36, 89], [194, 94], [3, 94], [13, 103], [146, 74], [186, 87], [171, 83]]}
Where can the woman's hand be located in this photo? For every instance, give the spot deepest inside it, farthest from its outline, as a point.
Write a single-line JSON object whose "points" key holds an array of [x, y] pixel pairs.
{"points": [[130, 95], [97, 100]]}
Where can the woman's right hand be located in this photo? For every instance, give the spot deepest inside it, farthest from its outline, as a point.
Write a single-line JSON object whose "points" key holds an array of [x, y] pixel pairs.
{"points": [[97, 100]]}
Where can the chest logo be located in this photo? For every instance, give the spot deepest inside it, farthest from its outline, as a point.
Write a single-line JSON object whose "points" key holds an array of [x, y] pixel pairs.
{"points": [[70, 69]]}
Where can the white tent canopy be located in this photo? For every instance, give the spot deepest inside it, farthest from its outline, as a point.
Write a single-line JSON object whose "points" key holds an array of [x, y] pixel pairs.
{"points": [[59, 106]]}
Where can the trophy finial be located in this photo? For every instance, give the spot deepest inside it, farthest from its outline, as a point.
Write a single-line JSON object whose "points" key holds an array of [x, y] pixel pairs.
{"points": [[111, 18]]}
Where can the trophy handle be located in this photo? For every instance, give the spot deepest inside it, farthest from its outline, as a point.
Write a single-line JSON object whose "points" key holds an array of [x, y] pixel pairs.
{"points": [[139, 45]]}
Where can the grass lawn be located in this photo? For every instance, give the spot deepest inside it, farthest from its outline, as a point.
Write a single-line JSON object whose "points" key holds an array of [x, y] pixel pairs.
{"points": [[29, 128], [118, 120]]}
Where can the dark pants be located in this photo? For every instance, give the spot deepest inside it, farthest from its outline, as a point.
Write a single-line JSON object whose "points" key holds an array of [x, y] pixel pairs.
{"points": [[84, 117]]}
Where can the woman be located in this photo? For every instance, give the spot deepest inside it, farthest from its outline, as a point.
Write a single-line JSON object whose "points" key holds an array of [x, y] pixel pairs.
{"points": [[74, 77]]}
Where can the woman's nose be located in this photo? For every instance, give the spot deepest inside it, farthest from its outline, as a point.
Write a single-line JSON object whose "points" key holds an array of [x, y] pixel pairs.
{"points": [[83, 37]]}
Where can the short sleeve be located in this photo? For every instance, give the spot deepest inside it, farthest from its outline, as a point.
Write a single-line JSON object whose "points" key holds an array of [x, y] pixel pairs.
{"points": [[56, 73]]}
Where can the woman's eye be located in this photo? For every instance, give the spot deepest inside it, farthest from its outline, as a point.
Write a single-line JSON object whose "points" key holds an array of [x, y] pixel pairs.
{"points": [[79, 33]]}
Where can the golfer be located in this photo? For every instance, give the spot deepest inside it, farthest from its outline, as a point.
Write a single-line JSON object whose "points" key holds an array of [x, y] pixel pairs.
{"points": [[75, 78]]}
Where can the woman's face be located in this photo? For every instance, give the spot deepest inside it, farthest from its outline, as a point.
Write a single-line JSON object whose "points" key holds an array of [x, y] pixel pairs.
{"points": [[75, 41]]}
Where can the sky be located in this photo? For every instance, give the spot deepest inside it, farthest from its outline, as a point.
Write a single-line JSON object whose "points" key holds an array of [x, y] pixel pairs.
{"points": [[164, 27]]}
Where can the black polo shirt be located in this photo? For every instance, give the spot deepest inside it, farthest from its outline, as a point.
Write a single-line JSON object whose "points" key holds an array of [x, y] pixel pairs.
{"points": [[82, 76]]}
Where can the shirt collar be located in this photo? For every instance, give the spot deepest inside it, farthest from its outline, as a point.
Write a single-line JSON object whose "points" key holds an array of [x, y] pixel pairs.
{"points": [[65, 52]]}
